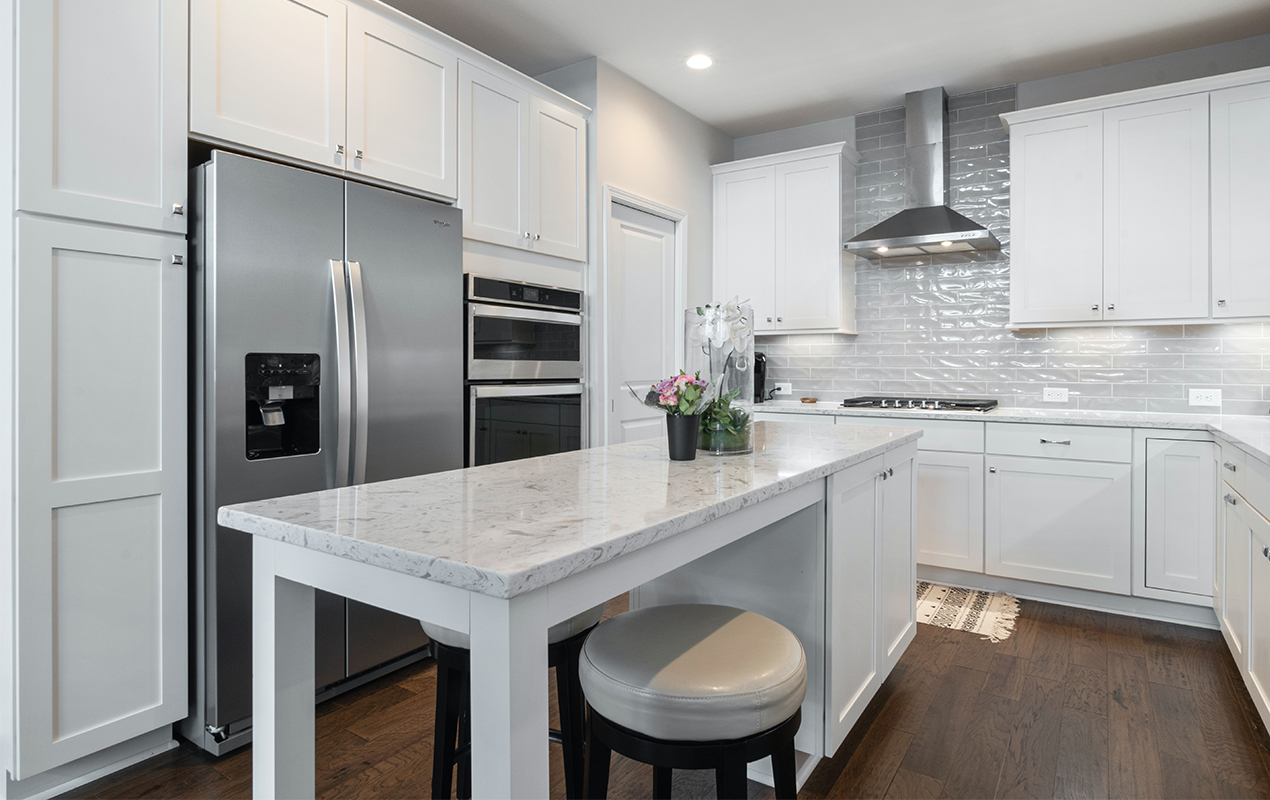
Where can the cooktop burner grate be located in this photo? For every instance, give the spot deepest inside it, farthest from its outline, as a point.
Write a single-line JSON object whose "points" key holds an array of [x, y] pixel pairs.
{"points": [[921, 403]]}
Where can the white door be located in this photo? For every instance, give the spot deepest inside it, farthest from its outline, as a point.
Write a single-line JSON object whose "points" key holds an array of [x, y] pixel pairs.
{"points": [[402, 103], [1155, 209], [1056, 219], [809, 244], [745, 241], [897, 577], [1241, 205], [1056, 521], [950, 514], [641, 318], [269, 75], [101, 111], [100, 558], [1181, 515], [1259, 617], [1234, 611], [557, 180], [493, 158], [851, 613]]}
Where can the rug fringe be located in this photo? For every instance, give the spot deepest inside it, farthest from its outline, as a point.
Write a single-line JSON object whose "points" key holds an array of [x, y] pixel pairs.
{"points": [[1007, 613]]}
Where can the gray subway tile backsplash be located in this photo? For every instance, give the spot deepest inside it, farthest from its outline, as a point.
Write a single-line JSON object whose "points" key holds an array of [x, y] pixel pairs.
{"points": [[938, 325]]}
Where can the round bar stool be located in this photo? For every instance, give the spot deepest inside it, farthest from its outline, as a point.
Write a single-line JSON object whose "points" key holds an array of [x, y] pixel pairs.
{"points": [[693, 687], [452, 741]]}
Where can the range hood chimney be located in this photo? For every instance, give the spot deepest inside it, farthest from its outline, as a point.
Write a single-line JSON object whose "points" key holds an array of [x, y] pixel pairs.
{"points": [[927, 224]]}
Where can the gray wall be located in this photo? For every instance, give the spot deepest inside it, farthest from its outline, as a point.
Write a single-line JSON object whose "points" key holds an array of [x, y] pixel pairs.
{"points": [[936, 325], [817, 133]]}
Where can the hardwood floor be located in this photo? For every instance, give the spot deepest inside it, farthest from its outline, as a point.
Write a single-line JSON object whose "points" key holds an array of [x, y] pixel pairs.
{"points": [[1076, 704]]}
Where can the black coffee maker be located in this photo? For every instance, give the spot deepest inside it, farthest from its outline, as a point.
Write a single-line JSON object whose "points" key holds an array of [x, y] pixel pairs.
{"points": [[760, 377]]}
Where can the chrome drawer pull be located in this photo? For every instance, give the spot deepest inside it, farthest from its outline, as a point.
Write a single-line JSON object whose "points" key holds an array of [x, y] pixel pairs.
{"points": [[1265, 551], [1230, 466], [1230, 499], [1056, 441]]}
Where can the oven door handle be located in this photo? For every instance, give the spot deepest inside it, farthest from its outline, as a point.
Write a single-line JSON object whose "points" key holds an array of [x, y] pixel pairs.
{"points": [[528, 314], [527, 390]]}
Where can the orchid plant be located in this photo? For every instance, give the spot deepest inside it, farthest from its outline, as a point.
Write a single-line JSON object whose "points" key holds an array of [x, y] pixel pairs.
{"points": [[678, 395], [723, 335]]}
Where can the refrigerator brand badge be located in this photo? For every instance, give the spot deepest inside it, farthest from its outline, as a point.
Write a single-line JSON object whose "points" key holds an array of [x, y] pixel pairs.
{"points": [[442, 224]]}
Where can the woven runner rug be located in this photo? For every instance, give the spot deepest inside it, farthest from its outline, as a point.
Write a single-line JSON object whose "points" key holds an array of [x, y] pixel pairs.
{"points": [[989, 614]]}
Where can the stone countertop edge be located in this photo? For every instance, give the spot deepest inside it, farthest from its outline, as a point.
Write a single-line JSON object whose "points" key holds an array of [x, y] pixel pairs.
{"points": [[1057, 416], [1250, 434], [508, 585]]}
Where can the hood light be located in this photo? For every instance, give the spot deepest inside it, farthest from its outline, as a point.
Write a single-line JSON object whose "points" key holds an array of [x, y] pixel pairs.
{"points": [[700, 61], [945, 244], [883, 249]]}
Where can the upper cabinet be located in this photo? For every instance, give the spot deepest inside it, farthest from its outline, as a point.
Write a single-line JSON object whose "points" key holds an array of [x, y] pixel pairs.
{"points": [[1110, 205], [778, 239], [118, 70], [522, 159]]}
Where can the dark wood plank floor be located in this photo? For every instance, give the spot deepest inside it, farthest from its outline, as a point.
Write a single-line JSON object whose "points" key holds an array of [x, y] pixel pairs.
{"points": [[1076, 704]]}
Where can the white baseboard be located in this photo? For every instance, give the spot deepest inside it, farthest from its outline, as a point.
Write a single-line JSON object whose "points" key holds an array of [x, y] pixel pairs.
{"points": [[1144, 607], [89, 768]]}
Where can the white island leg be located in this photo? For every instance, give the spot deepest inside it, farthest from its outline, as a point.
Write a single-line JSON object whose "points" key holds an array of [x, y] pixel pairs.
{"points": [[509, 697], [283, 764]]}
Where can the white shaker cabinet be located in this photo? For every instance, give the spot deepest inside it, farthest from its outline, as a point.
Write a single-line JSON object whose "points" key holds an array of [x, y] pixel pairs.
{"points": [[1180, 515], [1155, 210], [1240, 203], [101, 111], [557, 180], [270, 75], [1233, 614], [402, 106], [949, 520], [493, 157], [1259, 619], [809, 243], [100, 487], [745, 241]]}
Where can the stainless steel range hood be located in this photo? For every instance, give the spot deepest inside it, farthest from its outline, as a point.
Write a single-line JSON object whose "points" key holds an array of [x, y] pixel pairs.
{"points": [[927, 224]]}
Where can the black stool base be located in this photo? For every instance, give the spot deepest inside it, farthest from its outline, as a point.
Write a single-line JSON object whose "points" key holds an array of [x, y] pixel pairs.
{"points": [[728, 758]]}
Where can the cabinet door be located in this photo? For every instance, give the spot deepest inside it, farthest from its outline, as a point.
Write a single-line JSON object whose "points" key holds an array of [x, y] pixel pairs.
{"points": [[1235, 591], [1155, 209], [101, 111], [1241, 205], [493, 158], [950, 515], [897, 576], [269, 74], [100, 555], [1056, 219], [851, 621], [1181, 515], [402, 102], [557, 180], [745, 240], [1259, 617], [809, 244], [1060, 522]]}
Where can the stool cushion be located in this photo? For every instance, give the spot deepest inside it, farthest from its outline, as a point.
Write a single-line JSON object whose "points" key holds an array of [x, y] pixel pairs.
{"points": [[693, 672], [556, 633]]}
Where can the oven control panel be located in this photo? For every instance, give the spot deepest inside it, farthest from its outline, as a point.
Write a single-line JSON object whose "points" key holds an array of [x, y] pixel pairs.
{"points": [[522, 294]]}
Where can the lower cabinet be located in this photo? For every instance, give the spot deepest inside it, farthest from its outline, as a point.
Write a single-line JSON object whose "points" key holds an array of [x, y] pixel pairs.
{"points": [[949, 520], [1058, 521], [1180, 515], [1233, 613], [1259, 620]]}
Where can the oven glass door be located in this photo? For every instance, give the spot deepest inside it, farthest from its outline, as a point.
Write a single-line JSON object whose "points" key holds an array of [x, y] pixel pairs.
{"points": [[508, 423], [522, 344]]}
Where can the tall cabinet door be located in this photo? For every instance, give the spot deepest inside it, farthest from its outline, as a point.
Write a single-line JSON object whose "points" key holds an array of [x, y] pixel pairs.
{"points": [[1155, 209], [402, 102], [808, 243], [1056, 202], [1233, 614], [118, 70], [100, 559], [950, 517], [493, 158], [1241, 205], [1259, 618], [745, 240], [1180, 515], [270, 74], [557, 180], [897, 570]]}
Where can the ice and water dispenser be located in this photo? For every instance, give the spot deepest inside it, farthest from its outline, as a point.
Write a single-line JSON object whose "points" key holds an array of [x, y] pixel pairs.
{"points": [[283, 396]]}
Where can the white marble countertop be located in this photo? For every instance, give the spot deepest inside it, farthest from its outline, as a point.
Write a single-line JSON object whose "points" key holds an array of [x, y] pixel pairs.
{"points": [[1250, 434], [506, 529], [1119, 419]]}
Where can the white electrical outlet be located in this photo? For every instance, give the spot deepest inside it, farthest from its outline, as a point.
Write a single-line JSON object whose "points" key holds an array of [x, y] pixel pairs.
{"points": [[784, 388], [1206, 397], [1054, 395]]}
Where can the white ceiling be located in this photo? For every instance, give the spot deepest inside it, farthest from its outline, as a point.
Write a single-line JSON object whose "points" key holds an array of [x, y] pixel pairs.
{"points": [[782, 64]]}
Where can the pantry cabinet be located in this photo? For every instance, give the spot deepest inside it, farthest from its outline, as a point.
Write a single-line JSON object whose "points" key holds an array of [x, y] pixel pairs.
{"points": [[778, 238], [101, 112], [1240, 205]]}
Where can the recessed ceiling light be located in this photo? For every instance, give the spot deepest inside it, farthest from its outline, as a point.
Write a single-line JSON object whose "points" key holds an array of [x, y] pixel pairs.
{"points": [[700, 61]]}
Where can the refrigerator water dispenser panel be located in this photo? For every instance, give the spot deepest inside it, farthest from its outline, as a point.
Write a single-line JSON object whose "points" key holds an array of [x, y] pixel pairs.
{"points": [[283, 404]]}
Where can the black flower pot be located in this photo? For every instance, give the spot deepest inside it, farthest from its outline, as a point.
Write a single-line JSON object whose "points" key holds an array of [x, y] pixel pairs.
{"points": [[682, 430]]}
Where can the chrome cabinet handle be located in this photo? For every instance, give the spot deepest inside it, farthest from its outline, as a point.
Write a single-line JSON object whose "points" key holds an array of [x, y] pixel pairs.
{"points": [[890, 472], [1056, 441], [882, 474], [537, 237], [1265, 551], [1230, 466], [178, 260], [178, 210], [1221, 303], [357, 154], [527, 234], [780, 319], [993, 470], [1111, 306], [339, 149], [1095, 307], [769, 319], [1230, 499]]}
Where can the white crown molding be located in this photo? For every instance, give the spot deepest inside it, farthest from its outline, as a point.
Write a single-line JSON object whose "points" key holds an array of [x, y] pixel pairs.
{"points": [[835, 149]]}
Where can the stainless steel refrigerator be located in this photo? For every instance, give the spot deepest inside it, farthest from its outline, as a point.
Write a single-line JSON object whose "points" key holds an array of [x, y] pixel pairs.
{"points": [[327, 351]]}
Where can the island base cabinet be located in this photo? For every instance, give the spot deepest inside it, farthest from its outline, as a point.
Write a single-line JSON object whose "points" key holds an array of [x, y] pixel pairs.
{"points": [[1259, 616], [1058, 521]]}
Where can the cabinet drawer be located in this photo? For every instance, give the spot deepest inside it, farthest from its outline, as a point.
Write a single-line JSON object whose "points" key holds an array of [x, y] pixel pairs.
{"points": [[1234, 466], [937, 434], [1078, 442]]}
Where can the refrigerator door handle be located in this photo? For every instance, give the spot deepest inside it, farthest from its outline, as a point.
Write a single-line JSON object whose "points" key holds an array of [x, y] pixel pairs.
{"points": [[362, 369], [343, 373]]}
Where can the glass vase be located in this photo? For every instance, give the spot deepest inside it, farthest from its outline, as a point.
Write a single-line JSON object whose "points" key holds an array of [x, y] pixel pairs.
{"points": [[719, 343]]}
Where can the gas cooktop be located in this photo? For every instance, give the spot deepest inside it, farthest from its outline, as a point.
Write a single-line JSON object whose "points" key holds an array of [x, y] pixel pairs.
{"points": [[921, 403]]}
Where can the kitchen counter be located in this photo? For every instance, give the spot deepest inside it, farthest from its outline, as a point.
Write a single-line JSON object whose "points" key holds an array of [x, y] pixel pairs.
{"points": [[1061, 416], [1250, 434], [506, 529]]}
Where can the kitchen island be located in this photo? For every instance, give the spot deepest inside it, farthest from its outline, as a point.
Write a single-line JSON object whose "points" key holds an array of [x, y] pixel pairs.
{"points": [[814, 529]]}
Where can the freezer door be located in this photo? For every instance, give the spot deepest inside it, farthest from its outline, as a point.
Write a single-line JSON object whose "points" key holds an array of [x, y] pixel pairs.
{"points": [[270, 236]]}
